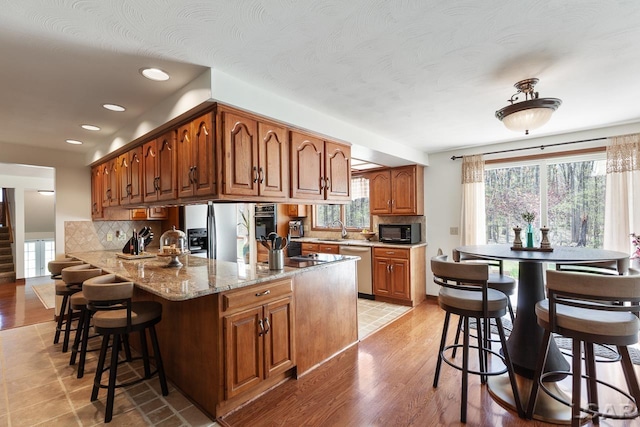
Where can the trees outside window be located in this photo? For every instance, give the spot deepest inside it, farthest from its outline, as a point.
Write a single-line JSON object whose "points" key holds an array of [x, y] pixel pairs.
{"points": [[566, 194], [354, 216]]}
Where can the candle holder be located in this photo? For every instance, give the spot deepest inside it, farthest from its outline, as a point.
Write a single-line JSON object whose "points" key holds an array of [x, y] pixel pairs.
{"points": [[544, 243], [517, 241]]}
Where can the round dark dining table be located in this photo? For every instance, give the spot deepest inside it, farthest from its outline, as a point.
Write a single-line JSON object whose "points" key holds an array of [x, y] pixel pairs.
{"points": [[525, 340]]}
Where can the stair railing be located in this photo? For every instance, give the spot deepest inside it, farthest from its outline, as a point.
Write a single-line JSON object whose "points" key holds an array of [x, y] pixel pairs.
{"points": [[7, 214]]}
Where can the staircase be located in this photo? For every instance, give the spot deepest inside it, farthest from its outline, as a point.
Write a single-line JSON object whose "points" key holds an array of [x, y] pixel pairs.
{"points": [[7, 267]]}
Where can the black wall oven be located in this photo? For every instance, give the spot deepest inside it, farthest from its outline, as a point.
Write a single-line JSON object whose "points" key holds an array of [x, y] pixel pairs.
{"points": [[265, 218]]}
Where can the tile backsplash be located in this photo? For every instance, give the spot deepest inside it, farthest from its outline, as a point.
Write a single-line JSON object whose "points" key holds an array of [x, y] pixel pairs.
{"points": [[92, 236]]}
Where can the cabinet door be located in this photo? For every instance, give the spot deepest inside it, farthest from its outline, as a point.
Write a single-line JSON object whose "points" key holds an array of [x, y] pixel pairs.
{"points": [[278, 346], [273, 155], [96, 192], [337, 171], [243, 351], [307, 166], [150, 168], [380, 192], [167, 166], [403, 189], [114, 183], [381, 282], [125, 178], [399, 277], [185, 161], [136, 175], [297, 211], [157, 213], [204, 160], [240, 151]]}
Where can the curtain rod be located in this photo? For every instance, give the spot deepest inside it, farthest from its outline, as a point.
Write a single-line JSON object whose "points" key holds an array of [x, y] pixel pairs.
{"points": [[542, 147]]}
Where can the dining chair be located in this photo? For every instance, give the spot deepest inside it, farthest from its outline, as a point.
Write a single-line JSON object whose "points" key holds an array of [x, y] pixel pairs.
{"points": [[600, 267], [464, 291], [586, 308]]}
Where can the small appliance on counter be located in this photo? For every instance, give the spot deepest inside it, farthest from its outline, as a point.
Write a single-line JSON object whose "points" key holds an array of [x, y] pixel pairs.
{"points": [[295, 228], [197, 240], [399, 233]]}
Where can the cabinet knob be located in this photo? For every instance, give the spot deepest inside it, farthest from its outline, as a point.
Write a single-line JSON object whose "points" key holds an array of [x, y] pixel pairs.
{"points": [[267, 325], [260, 294], [255, 174], [322, 183], [327, 183], [261, 175], [261, 326]]}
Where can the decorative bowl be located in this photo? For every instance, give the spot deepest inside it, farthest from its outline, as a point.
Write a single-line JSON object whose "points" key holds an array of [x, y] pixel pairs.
{"points": [[369, 235]]}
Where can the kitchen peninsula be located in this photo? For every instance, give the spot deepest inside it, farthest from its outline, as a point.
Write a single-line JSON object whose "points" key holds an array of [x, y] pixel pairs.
{"points": [[230, 331]]}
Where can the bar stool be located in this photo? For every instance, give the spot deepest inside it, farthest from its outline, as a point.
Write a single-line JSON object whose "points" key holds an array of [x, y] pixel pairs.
{"points": [[115, 315], [55, 267], [587, 309], [465, 292], [72, 278]]}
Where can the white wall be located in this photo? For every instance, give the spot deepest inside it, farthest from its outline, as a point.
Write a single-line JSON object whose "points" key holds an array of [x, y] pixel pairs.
{"points": [[39, 217], [442, 179]]}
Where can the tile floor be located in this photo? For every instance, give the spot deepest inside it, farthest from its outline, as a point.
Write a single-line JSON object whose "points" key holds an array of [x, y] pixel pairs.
{"points": [[373, 315], [38, 387]]}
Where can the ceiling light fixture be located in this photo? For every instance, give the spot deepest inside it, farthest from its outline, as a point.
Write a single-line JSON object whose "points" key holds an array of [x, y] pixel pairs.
{"points": [[529, 114], [74, 141], [154, 74], [90, 127], [114, 107], [46, 192]]}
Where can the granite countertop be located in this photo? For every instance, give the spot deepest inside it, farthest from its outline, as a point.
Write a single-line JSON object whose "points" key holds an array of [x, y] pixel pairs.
{"points": [[356, 242], [197, 277]]}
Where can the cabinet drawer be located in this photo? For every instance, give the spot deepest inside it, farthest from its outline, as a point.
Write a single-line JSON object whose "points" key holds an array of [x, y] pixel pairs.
{"points": [[328, 249], [310, 247], [256, 295], [391, 253]]}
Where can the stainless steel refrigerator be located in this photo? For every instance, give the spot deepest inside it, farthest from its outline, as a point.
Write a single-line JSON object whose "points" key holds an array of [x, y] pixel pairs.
{"points": [[220, 221]]}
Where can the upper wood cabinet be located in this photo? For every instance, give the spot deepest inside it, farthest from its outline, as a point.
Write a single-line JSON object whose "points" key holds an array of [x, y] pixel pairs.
{"points": [[297, 211], [130, 170], [96, 192], [196, 158], [397, 191], [159, 157], [110, 183], [319, 169], [255, 157]]}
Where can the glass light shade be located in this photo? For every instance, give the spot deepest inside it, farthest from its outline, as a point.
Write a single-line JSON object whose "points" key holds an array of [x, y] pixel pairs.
{"points": [[173, 242], [526, 120]]}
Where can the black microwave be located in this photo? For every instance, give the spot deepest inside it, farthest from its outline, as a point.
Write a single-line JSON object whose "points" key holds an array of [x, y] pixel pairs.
{"points": [[399, 233]]}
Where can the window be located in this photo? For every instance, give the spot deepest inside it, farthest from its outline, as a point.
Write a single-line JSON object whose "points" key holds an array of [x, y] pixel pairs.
{"points": [[566, 194], [354, 215]]}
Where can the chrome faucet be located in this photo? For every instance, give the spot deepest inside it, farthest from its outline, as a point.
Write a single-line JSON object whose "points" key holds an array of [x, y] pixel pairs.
{"points": [[343, 233]]}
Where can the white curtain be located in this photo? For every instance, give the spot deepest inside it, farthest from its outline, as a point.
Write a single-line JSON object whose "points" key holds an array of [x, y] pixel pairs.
{"points": [[472, 217], [622, 207]]}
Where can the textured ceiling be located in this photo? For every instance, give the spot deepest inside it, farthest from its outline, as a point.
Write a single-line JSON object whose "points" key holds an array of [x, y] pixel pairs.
{"points": [[425, 73]]}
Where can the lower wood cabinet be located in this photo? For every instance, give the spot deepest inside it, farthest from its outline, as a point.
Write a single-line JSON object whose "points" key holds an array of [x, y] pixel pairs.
{"points": [[322, 248], [399, 275], [258, 335]]}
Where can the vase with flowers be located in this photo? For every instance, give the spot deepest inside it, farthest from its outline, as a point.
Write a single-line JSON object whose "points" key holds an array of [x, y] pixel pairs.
{"points": [[528, 217], [635, 239]]}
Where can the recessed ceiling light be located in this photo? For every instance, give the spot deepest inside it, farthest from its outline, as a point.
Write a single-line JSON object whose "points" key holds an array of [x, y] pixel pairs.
{"points": [[90, 127], [114, 107], [155, 74], [74, 141]]}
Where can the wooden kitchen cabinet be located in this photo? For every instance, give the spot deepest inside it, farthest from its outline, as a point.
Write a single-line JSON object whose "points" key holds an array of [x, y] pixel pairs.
{"points": [[258, 335], [110, 183], [150, 213], [96, 192], [255, 156], [323, 248], [196, 158], [310, 248], [397, 191], [320, 170], [297, 211], [159, 166], [130, 182], [399, 275]]}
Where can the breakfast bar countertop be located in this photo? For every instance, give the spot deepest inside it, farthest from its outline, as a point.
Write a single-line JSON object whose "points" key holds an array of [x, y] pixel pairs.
{"points": [[197, 277]]}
